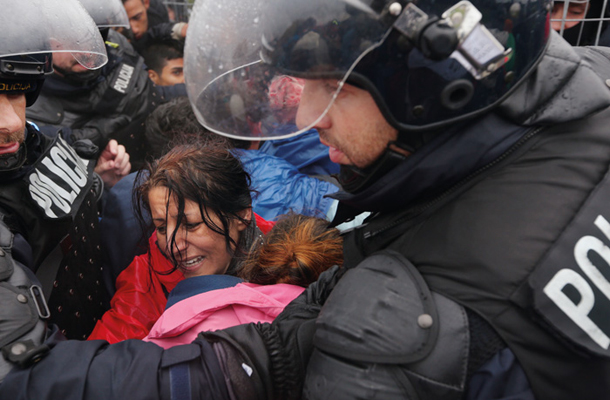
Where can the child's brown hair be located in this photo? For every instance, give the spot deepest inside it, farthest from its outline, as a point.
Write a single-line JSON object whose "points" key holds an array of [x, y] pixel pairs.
{"points": [[296, 251]]}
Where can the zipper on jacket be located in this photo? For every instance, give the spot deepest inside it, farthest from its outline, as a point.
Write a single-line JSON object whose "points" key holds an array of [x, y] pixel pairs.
{"points": [[418, 210]]}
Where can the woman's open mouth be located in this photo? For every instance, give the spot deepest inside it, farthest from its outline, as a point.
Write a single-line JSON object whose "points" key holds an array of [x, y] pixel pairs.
{"points": [[192, 263]]}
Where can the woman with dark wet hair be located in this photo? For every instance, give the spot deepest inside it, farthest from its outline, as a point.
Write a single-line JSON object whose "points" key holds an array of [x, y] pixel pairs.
{"points": [[198, 198]]}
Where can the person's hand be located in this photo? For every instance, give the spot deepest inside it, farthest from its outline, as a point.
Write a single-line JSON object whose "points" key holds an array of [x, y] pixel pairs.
{"points": [[113, 164], [179, 31]]}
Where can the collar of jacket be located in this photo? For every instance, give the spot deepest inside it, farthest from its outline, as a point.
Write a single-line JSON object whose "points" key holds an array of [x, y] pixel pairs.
{"points": [[33, 148], [569, 83]]}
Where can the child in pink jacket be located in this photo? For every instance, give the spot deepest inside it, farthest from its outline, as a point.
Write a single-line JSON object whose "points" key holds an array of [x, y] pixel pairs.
{"points": [[293, 254]]}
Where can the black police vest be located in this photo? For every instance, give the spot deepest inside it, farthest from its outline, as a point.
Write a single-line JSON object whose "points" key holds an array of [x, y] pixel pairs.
{"points": [[524, 243], [54, 206]]}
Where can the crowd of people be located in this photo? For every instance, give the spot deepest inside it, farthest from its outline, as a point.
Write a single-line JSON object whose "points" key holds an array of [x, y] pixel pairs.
{"points": [[321, 199]]}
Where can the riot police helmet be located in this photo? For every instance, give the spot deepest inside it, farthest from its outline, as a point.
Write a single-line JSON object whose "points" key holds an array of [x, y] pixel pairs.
{"points": [[32, 31], [107, 13], [427, 64]]}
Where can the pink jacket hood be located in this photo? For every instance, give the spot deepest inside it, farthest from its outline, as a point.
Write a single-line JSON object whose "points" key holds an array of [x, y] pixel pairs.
{"points": [[219, 309]]}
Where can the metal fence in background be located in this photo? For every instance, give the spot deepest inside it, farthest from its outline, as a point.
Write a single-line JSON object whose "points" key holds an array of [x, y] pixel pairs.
{"points": [[581, 22], [180, 10]]}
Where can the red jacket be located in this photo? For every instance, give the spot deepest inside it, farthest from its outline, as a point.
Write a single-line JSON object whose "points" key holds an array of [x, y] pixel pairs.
{"points": [[141, 294]]}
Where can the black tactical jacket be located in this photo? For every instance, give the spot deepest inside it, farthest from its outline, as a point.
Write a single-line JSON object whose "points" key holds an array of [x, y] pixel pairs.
{"points": [[52, 203], [520, 237]]}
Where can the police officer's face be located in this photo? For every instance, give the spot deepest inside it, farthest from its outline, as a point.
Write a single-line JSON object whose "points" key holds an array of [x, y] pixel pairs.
{"points": [[138, 18], [67, 63], [12, 122], [354, 129]]}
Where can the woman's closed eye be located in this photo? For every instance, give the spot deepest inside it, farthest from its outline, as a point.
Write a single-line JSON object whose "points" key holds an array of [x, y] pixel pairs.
{"points": [[192, 226]]}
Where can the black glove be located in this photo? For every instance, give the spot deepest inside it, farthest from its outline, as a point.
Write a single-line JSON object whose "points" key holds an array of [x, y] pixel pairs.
{"points": [[275, 356], [100, 130]]}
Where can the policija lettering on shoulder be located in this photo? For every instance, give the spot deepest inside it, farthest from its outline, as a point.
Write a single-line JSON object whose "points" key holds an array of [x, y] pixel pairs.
{"points": [[571, 288]]}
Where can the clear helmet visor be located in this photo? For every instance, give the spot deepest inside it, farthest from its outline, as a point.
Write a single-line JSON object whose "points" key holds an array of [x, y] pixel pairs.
{"points": [[248, 64], [48, 26], [107, 13]]}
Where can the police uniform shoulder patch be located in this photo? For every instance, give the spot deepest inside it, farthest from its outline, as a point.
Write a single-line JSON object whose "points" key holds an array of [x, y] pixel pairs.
{"points": [[59, 180], [571, 285], [122, 80]]}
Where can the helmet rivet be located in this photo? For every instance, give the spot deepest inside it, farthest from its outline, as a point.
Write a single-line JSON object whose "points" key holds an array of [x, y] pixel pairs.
{"points": [[395, 9], [457, 18], [509, 77], [418, 111], [39, 68], [425, 321], [10, 67], [18, 349]]}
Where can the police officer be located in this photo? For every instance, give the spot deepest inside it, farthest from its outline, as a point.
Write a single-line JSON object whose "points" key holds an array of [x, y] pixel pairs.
{"points": [[478, 139], [49, 191], [103, 104]]}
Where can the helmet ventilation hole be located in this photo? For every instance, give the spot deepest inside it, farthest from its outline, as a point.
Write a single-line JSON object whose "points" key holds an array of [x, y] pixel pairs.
{"points": [[457, 94]]}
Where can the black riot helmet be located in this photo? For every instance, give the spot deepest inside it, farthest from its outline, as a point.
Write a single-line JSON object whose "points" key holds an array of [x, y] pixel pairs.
{"points": [[24, 74], [426, 63], [32, 30]]}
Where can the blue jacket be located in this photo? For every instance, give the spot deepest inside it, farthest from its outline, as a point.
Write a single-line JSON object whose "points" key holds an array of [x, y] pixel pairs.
{"points": [[304, 151], [279, 187]]}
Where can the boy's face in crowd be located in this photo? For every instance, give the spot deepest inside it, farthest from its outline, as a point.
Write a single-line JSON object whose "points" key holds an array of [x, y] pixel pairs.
{"points": [[353, 128], [138, 18], [576, 11], [171, 74], [12, 122]]}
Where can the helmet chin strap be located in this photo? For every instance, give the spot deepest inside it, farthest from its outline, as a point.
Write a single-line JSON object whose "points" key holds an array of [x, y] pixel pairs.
{"points": [[14, 161], [354, 179]]}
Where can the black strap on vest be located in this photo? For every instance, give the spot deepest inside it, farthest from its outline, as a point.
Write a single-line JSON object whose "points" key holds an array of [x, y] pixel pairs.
{"points": [[47, 271]]}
